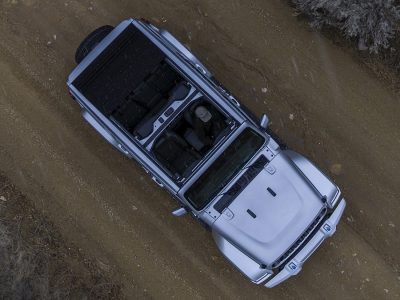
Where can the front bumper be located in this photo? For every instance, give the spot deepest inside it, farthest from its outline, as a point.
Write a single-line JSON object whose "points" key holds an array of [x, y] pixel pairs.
{"points": [[327, 229]]}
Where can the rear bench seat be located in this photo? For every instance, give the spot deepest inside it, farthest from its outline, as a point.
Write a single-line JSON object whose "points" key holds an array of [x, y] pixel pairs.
{"points": [[145, 127], [148, 99]]}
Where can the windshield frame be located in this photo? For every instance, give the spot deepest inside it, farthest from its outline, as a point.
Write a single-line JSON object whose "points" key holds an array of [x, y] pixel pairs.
{"points": [[215, 157]]}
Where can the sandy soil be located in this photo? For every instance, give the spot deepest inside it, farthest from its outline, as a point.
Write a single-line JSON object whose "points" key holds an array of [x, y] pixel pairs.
{"points": [[36, 262], [319, 100]]}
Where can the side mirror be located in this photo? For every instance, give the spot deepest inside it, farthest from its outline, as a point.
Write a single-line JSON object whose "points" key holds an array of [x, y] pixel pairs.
{"points": [[180, 212], [264, 121]]}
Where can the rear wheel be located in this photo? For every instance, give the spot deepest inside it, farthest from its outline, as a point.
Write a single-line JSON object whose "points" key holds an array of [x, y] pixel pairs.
{"points": [[91, 41]]}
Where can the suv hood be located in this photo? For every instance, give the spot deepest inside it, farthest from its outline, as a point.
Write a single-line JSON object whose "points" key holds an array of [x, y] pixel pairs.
{"points": [[271, 213]]}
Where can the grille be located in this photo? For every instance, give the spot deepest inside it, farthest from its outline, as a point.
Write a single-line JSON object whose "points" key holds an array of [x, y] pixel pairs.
{"points": [[300, 240]]}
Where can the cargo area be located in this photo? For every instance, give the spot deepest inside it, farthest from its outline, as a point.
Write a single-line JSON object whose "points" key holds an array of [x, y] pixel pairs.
{"points": [[130, 81]]}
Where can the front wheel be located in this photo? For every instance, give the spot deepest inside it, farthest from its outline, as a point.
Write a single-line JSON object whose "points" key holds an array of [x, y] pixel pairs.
{"points": [[91, 41]]}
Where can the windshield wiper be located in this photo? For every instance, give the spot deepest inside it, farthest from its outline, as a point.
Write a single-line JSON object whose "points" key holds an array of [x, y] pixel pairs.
{"points": [[250, 173]]}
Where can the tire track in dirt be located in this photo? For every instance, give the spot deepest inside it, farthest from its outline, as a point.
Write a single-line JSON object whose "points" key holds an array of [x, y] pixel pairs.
{"points": [[96, 196]]}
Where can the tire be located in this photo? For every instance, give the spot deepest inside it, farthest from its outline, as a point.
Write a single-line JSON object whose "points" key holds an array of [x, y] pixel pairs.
{"points": [[91, 41]]}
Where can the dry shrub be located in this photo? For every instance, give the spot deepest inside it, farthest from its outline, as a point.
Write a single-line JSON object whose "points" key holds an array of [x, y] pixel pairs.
{"points": [[36, 263], [372, 23]]}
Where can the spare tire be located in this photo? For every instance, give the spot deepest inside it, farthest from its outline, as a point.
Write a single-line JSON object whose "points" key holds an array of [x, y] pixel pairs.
{"points": [[91, 41]]}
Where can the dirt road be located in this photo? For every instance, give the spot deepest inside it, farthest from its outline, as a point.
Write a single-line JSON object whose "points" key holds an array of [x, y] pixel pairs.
{"points": [[319, 100]]}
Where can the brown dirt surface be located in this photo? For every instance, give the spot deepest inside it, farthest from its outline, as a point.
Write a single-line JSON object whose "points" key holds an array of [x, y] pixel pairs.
{"points": [[36, 263], [320, 100]]}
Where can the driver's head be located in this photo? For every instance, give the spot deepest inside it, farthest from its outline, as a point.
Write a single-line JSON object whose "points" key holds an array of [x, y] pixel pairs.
{"points": [[203, 113]]}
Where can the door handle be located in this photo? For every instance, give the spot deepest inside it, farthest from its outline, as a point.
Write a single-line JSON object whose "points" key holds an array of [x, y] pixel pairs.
{"points": [[234, 100], [158, 182], [123, 149]]}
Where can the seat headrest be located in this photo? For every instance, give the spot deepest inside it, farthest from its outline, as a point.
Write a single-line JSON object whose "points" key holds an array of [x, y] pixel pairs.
{"points": [[180, 91]]}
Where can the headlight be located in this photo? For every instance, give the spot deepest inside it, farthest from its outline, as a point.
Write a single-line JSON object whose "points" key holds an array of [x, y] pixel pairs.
{"points": [[332, 203]]}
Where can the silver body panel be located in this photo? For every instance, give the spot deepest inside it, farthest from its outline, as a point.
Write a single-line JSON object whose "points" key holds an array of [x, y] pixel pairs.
{"points": [[327, 229], [285, 226], [279, 220]]}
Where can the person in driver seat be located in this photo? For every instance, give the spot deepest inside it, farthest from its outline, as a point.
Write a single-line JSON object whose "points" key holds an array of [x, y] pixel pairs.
{"points": [[203, 124]]}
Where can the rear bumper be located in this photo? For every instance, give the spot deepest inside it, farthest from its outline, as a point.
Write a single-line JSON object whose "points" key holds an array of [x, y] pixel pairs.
{"points": [[326, 230]]}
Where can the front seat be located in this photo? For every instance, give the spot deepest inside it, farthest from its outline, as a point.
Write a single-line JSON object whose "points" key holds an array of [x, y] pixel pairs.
{"points": [[175, 154]]}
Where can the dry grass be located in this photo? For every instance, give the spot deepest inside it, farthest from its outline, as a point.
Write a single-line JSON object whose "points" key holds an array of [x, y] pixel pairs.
{"points": [[385, 64], [372, 23], [36, 263]]}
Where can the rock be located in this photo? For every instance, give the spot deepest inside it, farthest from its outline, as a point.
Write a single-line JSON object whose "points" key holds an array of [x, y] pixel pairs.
{"points": [[336, 169], [2, 198]]}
